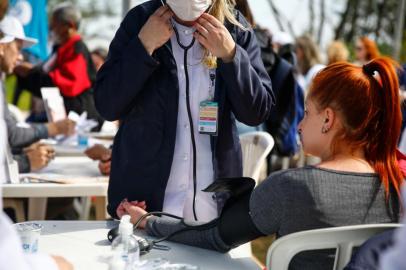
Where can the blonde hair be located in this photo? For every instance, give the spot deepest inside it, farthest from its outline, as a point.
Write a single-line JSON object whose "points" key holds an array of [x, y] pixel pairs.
{"points": [[336, 52], [311, 56], [222, 10]]}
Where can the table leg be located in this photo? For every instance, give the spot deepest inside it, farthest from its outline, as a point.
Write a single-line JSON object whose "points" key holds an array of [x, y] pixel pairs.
{"points": [[37, 208], [18, 206], [85, 208], [100, 204]]}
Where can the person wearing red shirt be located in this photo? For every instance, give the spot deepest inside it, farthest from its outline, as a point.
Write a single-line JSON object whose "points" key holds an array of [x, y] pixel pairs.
{"points": [[70, 67]]}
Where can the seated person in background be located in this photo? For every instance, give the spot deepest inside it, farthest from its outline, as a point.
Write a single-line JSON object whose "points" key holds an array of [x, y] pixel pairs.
{"points": [[70, 68], [11, 253], [99, 56], [20, 137], [34, 157], [352, 122], [103, 155]]}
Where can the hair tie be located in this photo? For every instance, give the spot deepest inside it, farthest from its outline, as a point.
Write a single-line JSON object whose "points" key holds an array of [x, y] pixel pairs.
{"points": [[368, 70]]}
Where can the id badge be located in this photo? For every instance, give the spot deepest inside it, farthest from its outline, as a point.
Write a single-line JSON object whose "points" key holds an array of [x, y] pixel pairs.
{"points": [[208, 117]]}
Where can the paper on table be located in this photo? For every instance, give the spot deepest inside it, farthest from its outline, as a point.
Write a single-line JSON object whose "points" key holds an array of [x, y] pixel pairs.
{"points": [[82, 123], [54, 105], [63, 179], [106, 136]]}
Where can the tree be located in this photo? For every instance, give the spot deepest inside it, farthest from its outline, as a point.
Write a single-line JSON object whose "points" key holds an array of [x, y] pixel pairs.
{"points": [[367, 17], [322, 20], [311, 17], [399, 29], [374, 18], [281, 20], [378, 19]]}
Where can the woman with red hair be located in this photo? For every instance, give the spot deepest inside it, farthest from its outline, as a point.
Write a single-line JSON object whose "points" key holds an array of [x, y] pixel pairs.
{"points": [[366, 50], [352, 123]]}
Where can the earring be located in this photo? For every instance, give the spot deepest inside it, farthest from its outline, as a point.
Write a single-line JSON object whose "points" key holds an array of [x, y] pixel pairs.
{"points": [[324, 130]]}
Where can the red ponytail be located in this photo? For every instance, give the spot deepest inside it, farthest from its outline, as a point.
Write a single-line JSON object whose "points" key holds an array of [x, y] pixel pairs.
{"points": [[367, 99]]}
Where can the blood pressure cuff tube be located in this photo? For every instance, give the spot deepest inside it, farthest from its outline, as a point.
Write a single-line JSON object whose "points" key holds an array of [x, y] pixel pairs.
{"points": [[235, 224]]}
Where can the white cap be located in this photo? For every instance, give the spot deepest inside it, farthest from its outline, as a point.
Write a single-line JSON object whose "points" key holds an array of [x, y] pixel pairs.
{"points": [[12, 29]]}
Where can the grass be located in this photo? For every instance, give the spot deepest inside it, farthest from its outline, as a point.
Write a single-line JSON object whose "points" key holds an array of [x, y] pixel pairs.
{"points": [[24, 102]]}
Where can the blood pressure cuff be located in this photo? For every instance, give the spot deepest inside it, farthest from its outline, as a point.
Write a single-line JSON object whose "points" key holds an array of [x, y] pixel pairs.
{"points": [[235, 224]]}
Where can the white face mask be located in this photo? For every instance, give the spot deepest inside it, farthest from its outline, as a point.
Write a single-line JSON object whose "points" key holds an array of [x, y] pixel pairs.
{"points": [[189, 10]]}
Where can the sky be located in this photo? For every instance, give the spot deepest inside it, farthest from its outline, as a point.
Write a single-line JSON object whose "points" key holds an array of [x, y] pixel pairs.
{"points": [[296, 11]]}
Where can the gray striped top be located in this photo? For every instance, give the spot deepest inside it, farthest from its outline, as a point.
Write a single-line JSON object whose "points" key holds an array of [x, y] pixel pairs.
{"points": [[296, 200]]}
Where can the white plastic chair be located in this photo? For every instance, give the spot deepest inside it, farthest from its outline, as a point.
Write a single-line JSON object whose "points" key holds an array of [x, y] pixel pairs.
{"points": [[256, 146], [343, 239]]}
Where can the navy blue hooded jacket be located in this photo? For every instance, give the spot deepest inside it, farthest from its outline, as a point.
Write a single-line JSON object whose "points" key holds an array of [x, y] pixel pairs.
{"points": [[142, 92]]}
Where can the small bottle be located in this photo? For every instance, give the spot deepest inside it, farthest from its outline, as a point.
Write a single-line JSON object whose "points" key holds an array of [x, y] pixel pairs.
{"points": [[117, 263], [83, 140], [125, 245]]}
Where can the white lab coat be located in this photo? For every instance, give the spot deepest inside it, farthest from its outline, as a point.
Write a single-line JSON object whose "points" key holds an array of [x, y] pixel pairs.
{"points": [[178, 198]]}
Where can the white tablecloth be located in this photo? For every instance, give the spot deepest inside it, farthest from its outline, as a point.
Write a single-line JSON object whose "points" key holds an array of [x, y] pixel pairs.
{"points": [[67, 166], [39, 192], [85, 245]]}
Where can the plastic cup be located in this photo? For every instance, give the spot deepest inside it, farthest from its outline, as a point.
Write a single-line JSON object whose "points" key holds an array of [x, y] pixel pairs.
{"points": [[29, 234]]}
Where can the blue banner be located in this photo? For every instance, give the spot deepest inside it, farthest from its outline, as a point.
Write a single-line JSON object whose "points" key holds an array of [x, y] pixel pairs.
{"points": [[33, 16]]}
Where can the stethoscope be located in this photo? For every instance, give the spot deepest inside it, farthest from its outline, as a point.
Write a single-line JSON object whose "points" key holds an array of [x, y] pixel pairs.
{"points": [[189, 111]]}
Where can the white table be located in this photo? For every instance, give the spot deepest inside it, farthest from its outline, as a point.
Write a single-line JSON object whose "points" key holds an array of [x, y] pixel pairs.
{"points": [[71, 149], [85, 245], [39, 192]]}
